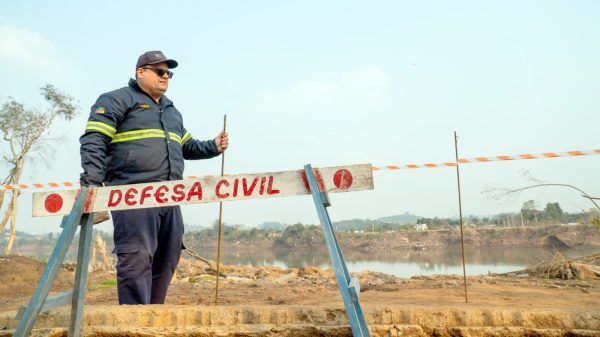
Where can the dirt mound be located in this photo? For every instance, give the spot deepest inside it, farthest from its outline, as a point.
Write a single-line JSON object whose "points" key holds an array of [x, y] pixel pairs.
{"points": [[271, 301], [19, 275], [552, 241]]}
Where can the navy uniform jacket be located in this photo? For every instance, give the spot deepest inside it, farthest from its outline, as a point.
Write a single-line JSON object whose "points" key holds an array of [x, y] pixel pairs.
{"points": [[129, 139]]}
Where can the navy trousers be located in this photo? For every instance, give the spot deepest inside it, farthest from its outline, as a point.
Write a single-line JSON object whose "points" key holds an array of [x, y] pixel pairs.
{"points": [[148, 245]]}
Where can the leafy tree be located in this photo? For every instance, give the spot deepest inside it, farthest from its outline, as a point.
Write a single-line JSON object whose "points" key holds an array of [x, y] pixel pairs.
{"points": [[553, 211], [435, 223], [26, 133], [529, 211], [300, 235], [295, 231]]}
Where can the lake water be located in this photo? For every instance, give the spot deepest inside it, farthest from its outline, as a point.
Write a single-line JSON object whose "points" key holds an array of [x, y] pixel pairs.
{"points": [[403, 263], [407, 263]]}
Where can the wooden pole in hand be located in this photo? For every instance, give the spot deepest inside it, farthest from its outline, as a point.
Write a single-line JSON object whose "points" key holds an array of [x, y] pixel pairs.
{"points": [[220, 220]]}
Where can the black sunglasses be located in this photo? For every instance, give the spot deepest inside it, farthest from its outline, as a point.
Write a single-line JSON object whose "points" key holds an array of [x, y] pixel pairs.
{"points": [[160, 71]]}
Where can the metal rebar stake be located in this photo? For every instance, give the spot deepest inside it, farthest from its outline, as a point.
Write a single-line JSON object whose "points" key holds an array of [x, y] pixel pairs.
{"points": [[220, 221], [462, 237]]}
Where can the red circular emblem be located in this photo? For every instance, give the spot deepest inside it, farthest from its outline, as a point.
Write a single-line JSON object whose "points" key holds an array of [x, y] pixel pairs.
{"points": [[342, 179], [53, 203]]}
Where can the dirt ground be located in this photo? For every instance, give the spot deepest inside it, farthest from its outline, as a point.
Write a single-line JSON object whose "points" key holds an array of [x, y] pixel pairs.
{"points": [[312, 287]]}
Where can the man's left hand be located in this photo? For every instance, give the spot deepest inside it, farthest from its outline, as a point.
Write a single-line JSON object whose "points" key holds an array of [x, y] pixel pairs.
{"points": [[222, 141]]}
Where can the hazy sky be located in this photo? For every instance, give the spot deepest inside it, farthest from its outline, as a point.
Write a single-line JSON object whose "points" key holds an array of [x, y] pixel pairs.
{"points": [[334, 83]]}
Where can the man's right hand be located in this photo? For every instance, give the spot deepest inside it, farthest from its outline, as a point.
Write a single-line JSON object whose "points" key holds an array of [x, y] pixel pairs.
{"points": [[222, 141]]}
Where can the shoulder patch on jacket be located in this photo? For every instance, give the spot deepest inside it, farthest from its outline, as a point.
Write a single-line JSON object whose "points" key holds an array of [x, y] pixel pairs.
{"points": [[100, 110]]}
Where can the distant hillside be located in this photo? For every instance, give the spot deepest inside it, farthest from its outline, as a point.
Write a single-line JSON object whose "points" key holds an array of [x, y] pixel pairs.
{"points": [[400, 219]]}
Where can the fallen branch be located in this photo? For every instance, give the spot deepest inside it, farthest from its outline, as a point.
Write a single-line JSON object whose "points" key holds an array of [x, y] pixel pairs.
{"points": [[212, 270], [559, 267]]}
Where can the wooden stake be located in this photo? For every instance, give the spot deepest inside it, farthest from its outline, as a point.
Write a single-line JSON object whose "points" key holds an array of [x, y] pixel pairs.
{"points": [[220, 219]]}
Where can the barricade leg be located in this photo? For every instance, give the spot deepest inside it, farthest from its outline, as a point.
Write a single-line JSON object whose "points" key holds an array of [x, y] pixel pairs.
{"points": [[57, 300], [70, 222], [349, 287], [83, 261]]}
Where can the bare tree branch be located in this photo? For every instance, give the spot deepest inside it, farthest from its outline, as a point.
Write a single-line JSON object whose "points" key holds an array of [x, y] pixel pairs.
{"points": [[13, 223], [211, 269], [592, 198], [9, 211], [504, 193]]}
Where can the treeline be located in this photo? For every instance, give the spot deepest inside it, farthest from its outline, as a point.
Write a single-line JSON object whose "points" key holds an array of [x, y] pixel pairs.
{"points": [[291, 236], [367, 225], [299, 235], [285, 236], [531, 214], [230, 233]]}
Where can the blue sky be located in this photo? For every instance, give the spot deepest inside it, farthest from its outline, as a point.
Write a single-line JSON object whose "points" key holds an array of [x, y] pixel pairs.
{"points": [[334, 83]]}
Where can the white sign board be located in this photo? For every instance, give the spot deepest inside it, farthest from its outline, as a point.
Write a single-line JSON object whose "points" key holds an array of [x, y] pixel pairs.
{"points": [[207, 189]]}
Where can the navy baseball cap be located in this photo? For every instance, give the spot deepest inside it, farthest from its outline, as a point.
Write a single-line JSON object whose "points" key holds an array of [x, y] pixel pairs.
{"points": [[154, 57]]}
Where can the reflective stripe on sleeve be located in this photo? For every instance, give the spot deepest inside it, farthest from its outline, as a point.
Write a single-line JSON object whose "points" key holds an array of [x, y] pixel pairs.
{"points": [[175, 137], [187, 136], [101, 127]]}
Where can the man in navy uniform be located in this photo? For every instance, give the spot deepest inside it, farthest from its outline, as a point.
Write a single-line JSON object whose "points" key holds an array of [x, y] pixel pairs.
{"points": [[136, 135]]}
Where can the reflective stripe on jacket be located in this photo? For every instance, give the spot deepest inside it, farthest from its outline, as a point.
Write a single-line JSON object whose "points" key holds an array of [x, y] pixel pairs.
{"points": [[129, 138]]}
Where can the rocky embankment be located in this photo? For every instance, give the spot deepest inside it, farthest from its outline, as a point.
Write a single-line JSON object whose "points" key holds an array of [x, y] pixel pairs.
{"points": [[549, 236], [559, 237]]}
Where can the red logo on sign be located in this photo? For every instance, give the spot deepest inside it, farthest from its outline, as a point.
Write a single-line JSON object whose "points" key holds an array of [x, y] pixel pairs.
{"points": [[342, 179], [53, 203]]}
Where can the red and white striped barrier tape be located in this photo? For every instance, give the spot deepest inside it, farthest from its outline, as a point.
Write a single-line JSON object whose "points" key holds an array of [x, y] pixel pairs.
{"points": [[375, 168], [488, 159]]}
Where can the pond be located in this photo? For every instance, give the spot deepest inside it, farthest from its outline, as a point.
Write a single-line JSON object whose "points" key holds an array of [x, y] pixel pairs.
{"points": [[407, 263]]}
